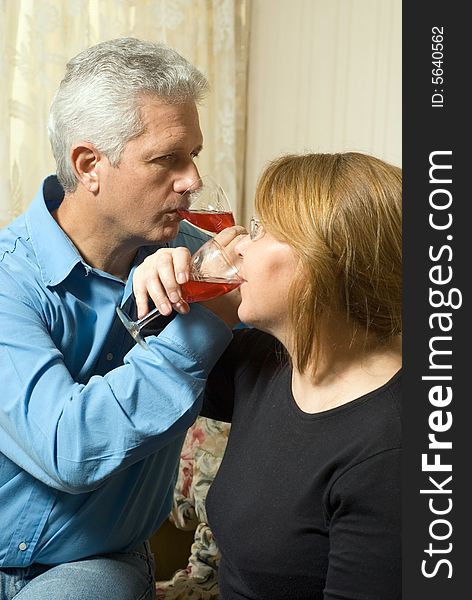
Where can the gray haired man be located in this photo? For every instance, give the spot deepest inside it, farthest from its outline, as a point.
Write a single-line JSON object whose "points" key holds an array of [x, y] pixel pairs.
{"points": [[90, 426]]}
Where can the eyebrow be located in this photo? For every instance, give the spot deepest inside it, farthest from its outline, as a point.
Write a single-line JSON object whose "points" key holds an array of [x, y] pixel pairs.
{"points": [[154, 153]]}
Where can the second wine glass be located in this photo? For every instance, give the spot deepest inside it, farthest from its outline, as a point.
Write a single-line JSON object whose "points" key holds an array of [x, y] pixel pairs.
{"points": [[212, 274]]}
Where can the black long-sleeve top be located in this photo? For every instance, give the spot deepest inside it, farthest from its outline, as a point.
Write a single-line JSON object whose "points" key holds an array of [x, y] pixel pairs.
{"points": [[304, 506]]}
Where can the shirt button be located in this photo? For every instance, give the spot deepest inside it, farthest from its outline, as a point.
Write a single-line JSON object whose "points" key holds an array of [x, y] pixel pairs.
{"points": [[110, 356], [22, 546]]}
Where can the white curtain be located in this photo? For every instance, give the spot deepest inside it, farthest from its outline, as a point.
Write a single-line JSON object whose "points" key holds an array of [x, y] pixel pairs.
{"points": [[38, 37]]}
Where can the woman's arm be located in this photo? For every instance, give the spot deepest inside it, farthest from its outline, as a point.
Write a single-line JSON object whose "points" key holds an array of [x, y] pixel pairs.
{"points": [[218, 401], [365, 531]]}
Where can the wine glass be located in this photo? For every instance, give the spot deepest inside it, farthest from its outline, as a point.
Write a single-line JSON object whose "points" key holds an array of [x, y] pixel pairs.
{"points": [[209, 207], [212, 274]]}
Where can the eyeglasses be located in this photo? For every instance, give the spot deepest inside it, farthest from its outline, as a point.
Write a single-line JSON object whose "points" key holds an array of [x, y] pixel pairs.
{"points": [[256, 229]]}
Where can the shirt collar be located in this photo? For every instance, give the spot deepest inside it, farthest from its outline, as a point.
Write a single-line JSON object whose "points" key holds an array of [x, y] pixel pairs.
{"points": [[55, 253]]}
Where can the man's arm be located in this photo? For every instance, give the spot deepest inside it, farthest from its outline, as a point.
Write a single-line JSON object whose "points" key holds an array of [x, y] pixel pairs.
{"points": [[72, 436]]}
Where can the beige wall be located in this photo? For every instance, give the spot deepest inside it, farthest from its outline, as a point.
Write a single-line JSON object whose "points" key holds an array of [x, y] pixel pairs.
{"points": [[324, 75]]}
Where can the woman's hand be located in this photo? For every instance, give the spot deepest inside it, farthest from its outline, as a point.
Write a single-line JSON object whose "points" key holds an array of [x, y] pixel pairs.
{"points": [[160, 275]]}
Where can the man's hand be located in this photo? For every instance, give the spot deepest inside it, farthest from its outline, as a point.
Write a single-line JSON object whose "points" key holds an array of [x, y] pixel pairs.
{"points": [[160, 275]]}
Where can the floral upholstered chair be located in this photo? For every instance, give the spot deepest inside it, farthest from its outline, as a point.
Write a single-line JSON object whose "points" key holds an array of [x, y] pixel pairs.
{"points": [[201, 456]]}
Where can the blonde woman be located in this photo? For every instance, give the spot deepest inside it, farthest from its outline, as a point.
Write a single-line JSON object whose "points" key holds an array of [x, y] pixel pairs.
{"points": [[306, 503]]}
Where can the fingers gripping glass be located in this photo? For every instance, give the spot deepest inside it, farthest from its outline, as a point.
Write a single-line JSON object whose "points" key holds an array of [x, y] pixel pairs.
{"points": [[212, 274]]}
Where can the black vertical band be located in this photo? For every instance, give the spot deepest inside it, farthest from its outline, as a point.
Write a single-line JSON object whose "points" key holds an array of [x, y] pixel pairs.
{"points": [[437, 323]]}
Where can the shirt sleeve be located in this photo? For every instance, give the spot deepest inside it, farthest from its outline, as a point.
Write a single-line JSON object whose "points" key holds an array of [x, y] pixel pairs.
{"points": [[72, 436], [365, 532]]}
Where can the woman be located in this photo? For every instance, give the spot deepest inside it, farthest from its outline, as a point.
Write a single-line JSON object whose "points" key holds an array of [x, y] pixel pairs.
{"points": [[306, 503]]}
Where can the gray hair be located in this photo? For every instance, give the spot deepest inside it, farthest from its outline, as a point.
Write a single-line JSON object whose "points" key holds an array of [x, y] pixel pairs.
{"points": [[98, 99]]}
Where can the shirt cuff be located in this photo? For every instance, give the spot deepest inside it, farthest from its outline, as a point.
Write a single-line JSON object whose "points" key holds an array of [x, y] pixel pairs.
{"points": [[200, 332]]}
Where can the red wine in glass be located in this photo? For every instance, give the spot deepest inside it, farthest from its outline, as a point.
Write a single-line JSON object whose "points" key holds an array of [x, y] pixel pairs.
{"points": [[208, 220], [196, 291]]}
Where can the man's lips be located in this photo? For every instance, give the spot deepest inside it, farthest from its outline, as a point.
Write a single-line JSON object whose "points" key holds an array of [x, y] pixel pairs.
{"points": [[177, 212], [178, 209]]}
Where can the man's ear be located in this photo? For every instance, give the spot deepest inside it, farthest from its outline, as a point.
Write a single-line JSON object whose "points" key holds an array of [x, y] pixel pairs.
{"points": [[85, 159]]}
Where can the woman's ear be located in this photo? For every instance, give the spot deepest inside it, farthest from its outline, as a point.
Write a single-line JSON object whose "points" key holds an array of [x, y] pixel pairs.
{"points": [[85, 160]]}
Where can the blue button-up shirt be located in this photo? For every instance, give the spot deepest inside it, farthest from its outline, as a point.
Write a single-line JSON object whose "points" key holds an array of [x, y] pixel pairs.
{"points": [[91, 425]]}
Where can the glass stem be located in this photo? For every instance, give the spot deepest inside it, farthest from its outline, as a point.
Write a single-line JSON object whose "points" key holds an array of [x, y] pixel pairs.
{"points": [[140, 323]]}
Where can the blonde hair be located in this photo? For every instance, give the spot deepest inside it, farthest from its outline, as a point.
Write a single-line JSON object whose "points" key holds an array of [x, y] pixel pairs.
{"points": [[341, 213]]}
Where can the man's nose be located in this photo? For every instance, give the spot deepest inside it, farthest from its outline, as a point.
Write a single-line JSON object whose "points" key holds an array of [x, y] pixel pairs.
{"points": [[190, 180]]}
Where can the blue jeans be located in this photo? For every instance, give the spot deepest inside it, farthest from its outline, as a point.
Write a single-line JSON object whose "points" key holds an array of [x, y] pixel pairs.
{"points": [[117, 576]]}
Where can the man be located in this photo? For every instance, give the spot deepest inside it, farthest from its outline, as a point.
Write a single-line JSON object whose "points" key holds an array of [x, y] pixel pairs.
{"points": [[91, 425]]}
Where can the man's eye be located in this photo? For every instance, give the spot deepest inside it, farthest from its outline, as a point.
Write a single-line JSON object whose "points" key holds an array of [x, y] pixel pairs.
{"points": [[195, 154], [166, 157]]}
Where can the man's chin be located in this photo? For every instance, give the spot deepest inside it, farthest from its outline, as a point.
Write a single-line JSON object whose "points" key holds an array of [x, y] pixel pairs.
{"points": [[167, 232]]}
